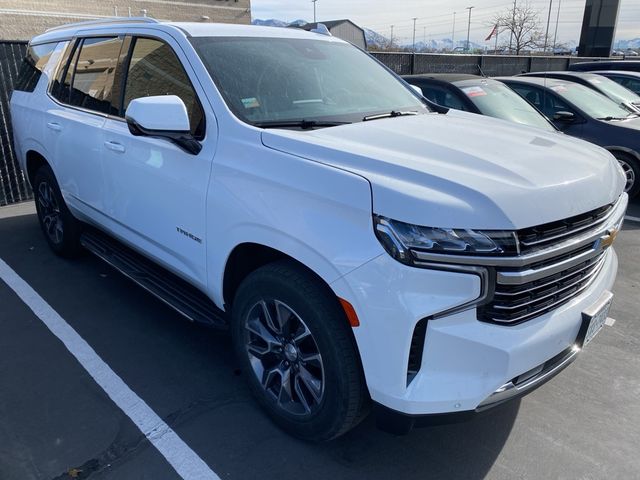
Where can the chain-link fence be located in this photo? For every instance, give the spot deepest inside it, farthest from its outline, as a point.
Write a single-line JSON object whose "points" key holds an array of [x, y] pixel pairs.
{"points": [[13, 185]]}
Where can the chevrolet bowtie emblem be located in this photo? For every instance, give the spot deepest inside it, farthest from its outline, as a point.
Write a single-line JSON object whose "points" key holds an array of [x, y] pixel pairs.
{"points": [[607, 240]]}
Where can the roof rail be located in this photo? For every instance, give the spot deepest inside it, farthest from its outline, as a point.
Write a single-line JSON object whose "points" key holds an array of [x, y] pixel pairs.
{"points": [[105, 21]]}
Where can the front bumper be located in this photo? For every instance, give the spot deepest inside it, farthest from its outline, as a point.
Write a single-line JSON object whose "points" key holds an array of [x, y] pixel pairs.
{"points": [[465, 361]]}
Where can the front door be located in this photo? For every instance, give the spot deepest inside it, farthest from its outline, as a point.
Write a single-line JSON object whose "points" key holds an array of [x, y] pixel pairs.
{"points": [[154, 192]]}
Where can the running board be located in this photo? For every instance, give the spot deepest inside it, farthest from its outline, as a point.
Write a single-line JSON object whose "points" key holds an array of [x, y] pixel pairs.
{"points": [[168, 287]]}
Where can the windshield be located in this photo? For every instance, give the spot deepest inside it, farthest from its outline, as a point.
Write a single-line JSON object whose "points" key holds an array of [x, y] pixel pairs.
{"points": [[613, 90], [589, 101], [497, 100], [285, 80]]}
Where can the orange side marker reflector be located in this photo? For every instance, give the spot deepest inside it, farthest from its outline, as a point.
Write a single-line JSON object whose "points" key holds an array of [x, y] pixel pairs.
{"points": [[350, 312]]}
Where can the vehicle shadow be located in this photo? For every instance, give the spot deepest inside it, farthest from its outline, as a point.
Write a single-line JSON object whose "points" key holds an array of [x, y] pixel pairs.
{"points": [[466, 450]]}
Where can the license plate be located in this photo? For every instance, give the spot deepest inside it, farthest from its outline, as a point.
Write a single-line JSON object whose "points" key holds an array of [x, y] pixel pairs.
{"points": [[593, 319]]}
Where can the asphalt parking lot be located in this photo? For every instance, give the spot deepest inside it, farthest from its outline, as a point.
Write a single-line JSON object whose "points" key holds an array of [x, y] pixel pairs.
{"points": [[58, 423]]}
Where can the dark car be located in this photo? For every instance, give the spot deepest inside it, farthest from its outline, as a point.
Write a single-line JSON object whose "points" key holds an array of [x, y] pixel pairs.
{"points": [[605, 86], [581, 112], [629, 80], [475, 94], [630, 65]]}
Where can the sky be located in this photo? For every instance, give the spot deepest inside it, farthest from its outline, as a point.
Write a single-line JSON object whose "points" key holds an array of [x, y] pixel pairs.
{"points": [[435, 17]]}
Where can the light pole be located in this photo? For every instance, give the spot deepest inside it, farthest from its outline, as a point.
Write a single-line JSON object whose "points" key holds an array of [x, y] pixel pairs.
{"points": [[414, 34], [555, 35], [314, 10], [546, 35], [513, 25], [453, 33], [391, 41], [469, 27]]}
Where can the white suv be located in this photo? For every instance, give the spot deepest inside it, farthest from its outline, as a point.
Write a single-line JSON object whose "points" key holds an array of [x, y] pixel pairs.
{"points": [[365, 247]]}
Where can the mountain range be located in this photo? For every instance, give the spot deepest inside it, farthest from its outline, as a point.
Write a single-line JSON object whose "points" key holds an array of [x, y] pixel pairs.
{"points": [[377, 40]]}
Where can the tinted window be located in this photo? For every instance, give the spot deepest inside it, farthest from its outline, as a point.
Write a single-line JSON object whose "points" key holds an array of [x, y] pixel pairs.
{"points": [[630, 83], [32, 65], [442, 96], [154, 69], [62, 80], [546, 102], [94, 73]]}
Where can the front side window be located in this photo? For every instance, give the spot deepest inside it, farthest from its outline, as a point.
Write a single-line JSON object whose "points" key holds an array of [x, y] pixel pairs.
{"points": [[32, 66], [92, 80], [154, 69], [267, 80], [442, 96]]}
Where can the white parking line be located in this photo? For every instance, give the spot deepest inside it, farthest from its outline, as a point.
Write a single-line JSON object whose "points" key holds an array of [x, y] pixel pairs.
{"points": [[633, 219], [184, 460]]}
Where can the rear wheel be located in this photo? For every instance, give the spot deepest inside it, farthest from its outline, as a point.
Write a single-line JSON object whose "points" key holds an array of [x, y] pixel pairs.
{"points": [[631, 168], [60, 228], [293, 341]]}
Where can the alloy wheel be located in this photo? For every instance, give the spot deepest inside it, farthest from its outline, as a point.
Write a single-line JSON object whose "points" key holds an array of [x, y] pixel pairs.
{"points": [[50, 213], [284, 357], [629, 174]]}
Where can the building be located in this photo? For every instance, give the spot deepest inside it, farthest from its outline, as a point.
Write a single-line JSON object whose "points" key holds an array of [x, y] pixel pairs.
{"points": [[598, 28], [343, 29], [21, 20]]}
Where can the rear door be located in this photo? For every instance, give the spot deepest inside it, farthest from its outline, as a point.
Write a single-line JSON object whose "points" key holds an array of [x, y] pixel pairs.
{"points": [[154, 192], [80, 102]]}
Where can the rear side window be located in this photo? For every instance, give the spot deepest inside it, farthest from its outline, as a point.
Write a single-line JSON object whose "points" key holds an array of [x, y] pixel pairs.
{"points": [[154, 69], [62, 82], [32, 66], [92, 80]]}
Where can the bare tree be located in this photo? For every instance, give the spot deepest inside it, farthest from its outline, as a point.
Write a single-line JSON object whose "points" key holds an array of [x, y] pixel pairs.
{"points": [[523, 23]]}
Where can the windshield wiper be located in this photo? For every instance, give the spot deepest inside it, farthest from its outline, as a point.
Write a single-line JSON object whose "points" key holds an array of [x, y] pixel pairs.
{"points": [[302, 124], [609, 119], [391, 114]]}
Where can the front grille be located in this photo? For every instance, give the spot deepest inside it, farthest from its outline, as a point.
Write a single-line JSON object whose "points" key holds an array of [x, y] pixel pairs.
{"points": [[534, 238], [513, 304]]}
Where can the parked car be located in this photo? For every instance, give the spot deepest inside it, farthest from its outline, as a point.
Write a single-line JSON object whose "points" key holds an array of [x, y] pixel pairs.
{"points": [[629, 80], [364, 246], [627, 65], [475, 94], [581, 112], [622, 96]]}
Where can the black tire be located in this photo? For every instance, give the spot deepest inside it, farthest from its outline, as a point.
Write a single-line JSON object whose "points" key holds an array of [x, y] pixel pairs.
{"points": [[60, 228], [631, 166], [312, 307]]}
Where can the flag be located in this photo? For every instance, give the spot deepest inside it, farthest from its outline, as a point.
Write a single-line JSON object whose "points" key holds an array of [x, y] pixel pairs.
{"points": [[493, 33]]}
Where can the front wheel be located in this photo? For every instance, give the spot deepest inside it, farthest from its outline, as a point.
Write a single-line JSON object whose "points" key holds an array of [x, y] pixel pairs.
{"points": [[631, 168], [60, 228], [294, 345]]}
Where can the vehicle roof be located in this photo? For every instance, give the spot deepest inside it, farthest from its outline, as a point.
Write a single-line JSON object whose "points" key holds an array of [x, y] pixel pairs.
{"points": [[445, 77], [561, 72], [540, 81], [627, 73], [189, 29], [603, 62]]}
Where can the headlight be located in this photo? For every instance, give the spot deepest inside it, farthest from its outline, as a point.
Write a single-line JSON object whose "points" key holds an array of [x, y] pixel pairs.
{"points": [[401, 239]]}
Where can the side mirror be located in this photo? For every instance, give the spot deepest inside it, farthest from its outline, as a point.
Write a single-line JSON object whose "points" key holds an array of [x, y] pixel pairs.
{"points": [[163, 116], [565, 117]]}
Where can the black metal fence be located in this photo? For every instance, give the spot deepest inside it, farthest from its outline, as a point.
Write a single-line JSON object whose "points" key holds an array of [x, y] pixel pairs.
{"points": [[490, 65], [13, 185]]}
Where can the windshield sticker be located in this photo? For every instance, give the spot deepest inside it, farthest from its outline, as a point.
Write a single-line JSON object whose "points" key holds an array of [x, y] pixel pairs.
{"points": [[474, 91], [251, 102], [595, 81], [559, 88]]}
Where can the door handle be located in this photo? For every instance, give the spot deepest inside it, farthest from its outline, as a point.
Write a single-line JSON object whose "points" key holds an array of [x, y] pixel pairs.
{"points": [[115, 146], [54, 126]]}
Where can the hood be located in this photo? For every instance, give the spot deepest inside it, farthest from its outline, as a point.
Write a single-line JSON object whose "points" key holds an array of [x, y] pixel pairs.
{"points": [[462, 170]]}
